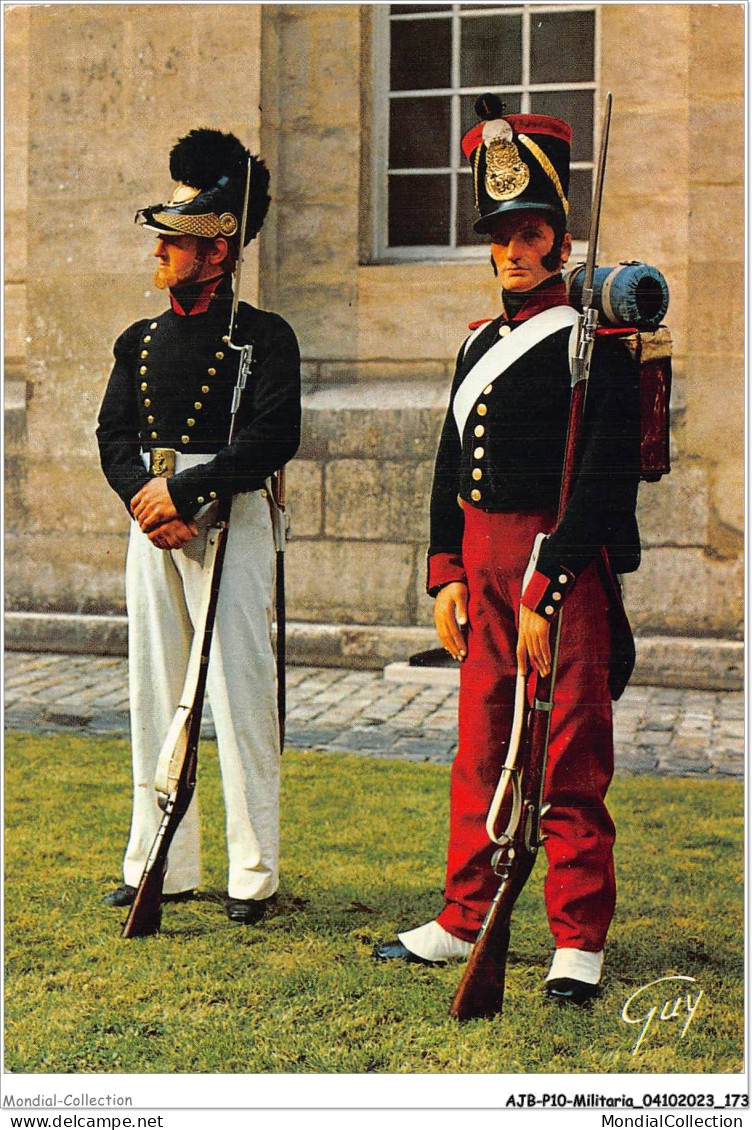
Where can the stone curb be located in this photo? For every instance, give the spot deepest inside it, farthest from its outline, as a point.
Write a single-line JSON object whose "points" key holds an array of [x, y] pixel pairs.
{"points": [[662, 661], [670, 661]]}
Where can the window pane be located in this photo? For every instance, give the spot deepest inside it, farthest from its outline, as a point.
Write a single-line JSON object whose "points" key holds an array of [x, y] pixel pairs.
{"points": [[467, 213], [561, 46], [468, 117], [575, 107], [580, 193], [491, 51], [421, 54], [418, 133], [418, 210]]}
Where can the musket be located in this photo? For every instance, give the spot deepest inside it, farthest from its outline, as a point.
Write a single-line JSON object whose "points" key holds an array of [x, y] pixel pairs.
{"points": [[522, 780], [175, 777]]}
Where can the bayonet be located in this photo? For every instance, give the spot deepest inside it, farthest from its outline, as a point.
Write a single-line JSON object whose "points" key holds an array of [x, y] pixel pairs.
{"points": [[588, 319]]}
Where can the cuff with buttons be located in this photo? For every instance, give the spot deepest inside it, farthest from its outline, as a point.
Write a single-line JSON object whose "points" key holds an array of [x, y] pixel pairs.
{"points": [[210, 498], [545, 595], [187, 494]]}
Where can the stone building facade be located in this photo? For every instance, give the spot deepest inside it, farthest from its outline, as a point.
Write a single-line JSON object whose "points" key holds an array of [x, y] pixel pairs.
{"points": [[96, 94]]}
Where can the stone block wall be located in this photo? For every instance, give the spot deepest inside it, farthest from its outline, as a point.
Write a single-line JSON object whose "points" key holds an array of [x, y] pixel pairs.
{"points": [[359, 493], [674, 197], [96, 94], [95, 97]]}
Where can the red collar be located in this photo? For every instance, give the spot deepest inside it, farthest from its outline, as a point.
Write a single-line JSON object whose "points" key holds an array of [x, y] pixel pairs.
{"points": [[200, 303], [539, 300]]}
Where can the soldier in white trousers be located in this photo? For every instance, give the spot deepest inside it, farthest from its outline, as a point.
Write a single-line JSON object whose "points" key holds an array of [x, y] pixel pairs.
{"points": [[163, 437]]}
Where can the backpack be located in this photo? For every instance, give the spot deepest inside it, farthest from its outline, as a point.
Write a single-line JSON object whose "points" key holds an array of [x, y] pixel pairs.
{"points": [[651, 351], [632, 300]]}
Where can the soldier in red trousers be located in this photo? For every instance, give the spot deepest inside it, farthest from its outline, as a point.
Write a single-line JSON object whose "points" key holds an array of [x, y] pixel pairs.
{"points": [[501, 570]]}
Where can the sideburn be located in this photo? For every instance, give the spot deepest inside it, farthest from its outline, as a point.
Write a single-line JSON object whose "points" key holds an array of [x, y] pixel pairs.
{"points": [[552, 259]]}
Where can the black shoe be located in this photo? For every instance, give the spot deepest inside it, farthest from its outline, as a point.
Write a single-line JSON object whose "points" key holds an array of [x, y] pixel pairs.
{"points": [[567, 990], [124, 896], [121, 896], [396, 951], [244, 912]]}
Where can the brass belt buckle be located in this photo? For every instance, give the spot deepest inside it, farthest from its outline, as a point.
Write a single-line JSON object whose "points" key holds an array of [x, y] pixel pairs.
{"points": [[162, 461]]}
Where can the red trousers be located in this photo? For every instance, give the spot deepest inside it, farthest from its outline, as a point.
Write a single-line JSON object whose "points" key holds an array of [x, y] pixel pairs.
{"points": [[579, 887]]}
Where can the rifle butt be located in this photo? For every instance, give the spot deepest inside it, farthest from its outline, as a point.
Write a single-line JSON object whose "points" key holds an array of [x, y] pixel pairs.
{"points": [[145, 915], [481, 990]]}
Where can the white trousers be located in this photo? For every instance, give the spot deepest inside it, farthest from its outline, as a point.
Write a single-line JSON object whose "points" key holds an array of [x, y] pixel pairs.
{"points": [[163, 592]]}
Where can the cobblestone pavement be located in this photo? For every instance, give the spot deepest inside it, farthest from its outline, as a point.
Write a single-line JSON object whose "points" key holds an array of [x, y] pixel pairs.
{"points": [[658, 730]]}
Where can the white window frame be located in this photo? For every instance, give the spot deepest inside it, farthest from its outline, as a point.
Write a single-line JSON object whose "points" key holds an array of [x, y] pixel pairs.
{"points": [[382, 95]]}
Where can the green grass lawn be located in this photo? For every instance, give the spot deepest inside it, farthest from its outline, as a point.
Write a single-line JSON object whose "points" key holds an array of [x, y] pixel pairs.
{"points": [[362, 856]]}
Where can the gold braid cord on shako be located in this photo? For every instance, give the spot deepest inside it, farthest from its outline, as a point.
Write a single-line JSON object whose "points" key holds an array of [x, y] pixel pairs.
{"points": [[547, 167]]}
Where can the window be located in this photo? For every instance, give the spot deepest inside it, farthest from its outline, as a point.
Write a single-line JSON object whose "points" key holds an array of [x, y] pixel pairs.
{"points": [[431, 63]]}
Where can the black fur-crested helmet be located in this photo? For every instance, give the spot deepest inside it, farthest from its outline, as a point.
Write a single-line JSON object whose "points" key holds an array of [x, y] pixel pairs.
{"points": [[210, 168]]}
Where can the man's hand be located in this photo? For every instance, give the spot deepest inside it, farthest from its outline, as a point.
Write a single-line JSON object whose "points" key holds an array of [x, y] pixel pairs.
{"points": [[450, 615], [173, 534], [533, 644], [153, 506]]}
